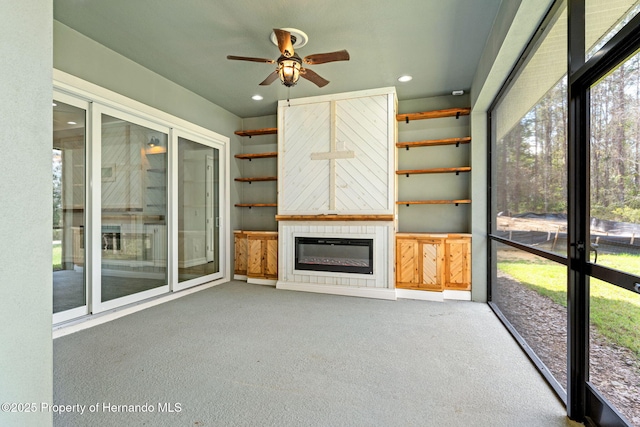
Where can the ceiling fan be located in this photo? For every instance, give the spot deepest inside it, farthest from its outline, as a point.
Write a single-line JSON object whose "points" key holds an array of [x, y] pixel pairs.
{"points": [[290, 64]]}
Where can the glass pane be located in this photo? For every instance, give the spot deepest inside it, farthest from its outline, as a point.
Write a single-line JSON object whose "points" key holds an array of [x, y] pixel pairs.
{"points": [[614, 233], [615, 168], [198, 210], [531, 292], [614, 352], [530, 178], [134, 208], [68, 207], [604, 19]]}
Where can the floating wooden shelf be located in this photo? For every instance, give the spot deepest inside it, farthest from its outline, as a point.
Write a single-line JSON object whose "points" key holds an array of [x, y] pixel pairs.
{"points": [[436, 114], [250, 156], [257, 178], [256, 205], [255, 132], [434, 142], [433, 202], [436, 170], [330, 217]]}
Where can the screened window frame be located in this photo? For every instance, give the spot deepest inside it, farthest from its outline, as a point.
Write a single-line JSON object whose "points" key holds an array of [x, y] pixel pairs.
{"points": [[582, 399]]}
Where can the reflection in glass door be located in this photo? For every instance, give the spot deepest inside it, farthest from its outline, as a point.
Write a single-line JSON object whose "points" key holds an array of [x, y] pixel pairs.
{"points": [[198, 211], [68, 167], [133, 231]]}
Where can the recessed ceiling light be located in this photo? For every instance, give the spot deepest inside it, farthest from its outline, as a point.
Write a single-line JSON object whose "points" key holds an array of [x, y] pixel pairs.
{"points": [[405, 79], [71, 123], [257, 97], [457, 92]]}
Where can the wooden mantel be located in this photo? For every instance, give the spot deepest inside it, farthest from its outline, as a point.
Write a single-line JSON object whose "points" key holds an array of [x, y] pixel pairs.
{"points": [[336, 217]]}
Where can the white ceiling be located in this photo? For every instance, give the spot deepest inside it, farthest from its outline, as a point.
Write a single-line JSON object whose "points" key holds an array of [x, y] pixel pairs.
{"points": [[438, 42]]}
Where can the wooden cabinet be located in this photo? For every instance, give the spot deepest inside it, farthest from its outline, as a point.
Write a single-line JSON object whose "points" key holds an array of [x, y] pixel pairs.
{"points": [[458, 263], [240, 254], [262, 256], [433, 262]]}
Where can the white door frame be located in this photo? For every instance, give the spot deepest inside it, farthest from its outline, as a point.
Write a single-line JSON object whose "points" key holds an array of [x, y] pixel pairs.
{"points": [[223, 202], [82, 310]]}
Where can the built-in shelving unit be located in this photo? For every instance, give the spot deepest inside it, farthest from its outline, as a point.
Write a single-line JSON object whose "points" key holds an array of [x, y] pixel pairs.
{"points": [[434, 142], [434, 114], [255, 132], [257, 178], [251, 156], [433, 202], [457, 171], [156, 181]]}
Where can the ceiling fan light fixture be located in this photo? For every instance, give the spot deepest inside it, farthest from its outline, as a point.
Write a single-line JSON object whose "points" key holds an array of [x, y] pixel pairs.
{"points": [[289, 71]]}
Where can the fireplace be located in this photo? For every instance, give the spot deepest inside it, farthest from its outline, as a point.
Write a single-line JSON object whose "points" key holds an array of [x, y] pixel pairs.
{"points": [[341, 255], [111, 238]]}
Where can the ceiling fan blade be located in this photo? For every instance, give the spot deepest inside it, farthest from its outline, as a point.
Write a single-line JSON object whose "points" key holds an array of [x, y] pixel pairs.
{"points": [[321, 58], [284, 42], [313, 77], [270, 79], [248, 58]]}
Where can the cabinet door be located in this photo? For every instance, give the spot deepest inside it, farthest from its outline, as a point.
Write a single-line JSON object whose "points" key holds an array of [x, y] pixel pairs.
{"points": [[432, 264], [407, 261], [240, 259], [458, 267], [255, 264], [271, 258]]}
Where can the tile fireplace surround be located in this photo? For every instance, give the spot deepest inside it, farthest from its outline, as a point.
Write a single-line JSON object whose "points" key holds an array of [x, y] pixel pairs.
{"points": [[376, 285]]}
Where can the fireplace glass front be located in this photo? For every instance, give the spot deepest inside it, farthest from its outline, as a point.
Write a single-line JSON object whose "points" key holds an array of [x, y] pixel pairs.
{"points": [[334, 254]]}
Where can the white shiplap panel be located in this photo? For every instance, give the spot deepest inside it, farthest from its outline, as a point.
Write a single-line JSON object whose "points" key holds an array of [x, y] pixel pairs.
{"points": [[363, 182], [307, 130]]}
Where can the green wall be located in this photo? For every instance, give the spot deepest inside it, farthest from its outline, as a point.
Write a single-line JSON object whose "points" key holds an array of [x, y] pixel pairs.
{"points": [[26, 359]]}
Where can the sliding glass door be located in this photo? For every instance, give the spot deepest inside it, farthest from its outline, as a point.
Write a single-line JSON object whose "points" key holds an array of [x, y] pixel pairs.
{"points": [[198, 206], [140, 205], [133, 235], [69, 213]]}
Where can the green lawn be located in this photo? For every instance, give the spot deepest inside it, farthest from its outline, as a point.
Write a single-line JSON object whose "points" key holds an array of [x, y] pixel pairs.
{"points": [[57, 256], [615, 312]]}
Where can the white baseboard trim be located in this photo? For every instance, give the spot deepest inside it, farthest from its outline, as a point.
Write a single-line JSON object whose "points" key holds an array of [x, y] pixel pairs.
{"points": [[419, 295], [377, 293], [100, 318], [457, 295], [239, 277], [267, 282]]}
